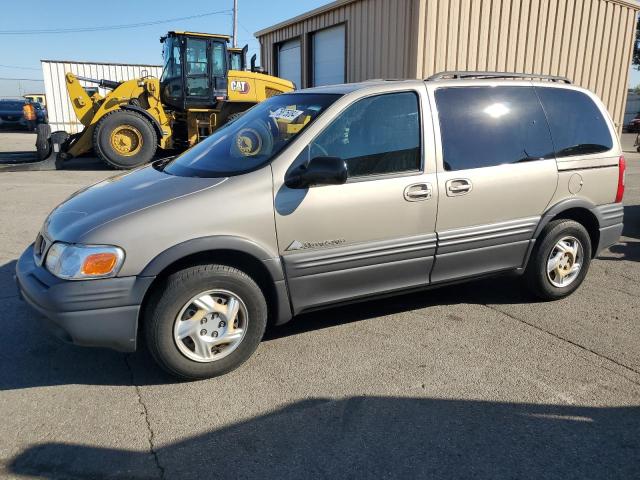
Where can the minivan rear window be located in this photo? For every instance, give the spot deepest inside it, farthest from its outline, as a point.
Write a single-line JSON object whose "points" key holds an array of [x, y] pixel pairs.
{"points": [[488, 126], [577, 124]]}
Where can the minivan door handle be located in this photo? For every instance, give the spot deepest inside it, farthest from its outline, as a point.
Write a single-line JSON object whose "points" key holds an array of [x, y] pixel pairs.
{"points": [[417, 192], [458, 186]]}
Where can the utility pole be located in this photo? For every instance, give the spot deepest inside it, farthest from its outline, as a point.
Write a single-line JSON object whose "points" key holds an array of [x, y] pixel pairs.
{"points": [[235, 23]]}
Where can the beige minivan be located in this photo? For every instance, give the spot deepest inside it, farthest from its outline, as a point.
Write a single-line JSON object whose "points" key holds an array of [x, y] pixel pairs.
{"points": [[329, 195]]}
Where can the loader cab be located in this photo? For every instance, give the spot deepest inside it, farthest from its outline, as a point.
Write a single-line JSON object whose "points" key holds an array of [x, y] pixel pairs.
{"points": [[238, 58], [194, 70]]}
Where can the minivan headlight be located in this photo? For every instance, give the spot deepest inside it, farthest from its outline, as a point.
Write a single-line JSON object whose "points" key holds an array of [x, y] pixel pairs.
{"points": [[81, 262]]}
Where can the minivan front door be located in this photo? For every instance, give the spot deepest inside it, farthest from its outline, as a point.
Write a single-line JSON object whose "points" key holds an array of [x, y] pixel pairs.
{"points": [[497, 173], [375, 233]]}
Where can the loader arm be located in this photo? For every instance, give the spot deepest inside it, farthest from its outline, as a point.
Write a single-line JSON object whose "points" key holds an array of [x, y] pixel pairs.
{"points": [[83, 105], [90, 110]]}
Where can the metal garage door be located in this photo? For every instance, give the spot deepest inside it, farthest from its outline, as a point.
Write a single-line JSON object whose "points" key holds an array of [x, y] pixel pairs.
{"points": [[328, 56], [289, 59]]}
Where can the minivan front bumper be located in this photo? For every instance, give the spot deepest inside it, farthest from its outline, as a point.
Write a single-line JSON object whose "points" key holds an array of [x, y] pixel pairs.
{"points": [[96, 313]]}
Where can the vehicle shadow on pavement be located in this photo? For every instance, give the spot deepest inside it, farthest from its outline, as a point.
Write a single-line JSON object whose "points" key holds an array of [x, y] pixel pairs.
{"points": [[32, 357], [376, 437], [41, 360], [498, 290], [628, 249]]}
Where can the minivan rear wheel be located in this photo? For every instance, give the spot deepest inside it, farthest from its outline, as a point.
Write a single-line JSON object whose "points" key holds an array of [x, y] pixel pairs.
{"points": [[206, 321], [560, 260]]}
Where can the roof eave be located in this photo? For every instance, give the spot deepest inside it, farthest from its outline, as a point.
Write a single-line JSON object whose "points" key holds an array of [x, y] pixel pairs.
{"points": [[338, 3], [304, 16]]}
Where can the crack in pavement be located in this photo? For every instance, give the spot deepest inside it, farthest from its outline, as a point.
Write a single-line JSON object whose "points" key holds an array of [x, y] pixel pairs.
{"points": [[566, 340], [151, 434], [609, 273]]}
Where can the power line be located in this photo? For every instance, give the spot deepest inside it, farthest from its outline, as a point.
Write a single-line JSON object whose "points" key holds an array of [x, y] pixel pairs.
{"points": [[23, 79], [109, 27], [18, 67], [247, 30], [251, 38]]}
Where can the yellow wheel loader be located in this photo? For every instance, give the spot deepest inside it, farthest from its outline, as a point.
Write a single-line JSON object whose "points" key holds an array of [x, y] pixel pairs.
{"points": [[204, 84]]}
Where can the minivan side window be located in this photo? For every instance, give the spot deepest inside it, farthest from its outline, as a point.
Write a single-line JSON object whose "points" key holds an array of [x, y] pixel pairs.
{"points": [[375, 136], [577, 124], [488, 126]]}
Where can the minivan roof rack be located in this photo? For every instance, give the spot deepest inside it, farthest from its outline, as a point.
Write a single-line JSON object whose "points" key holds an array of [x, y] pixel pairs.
{"points": [[461, 74]]}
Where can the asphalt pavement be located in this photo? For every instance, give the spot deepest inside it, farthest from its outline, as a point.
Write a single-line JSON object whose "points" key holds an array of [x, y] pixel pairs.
{"points": [[467, 381]]}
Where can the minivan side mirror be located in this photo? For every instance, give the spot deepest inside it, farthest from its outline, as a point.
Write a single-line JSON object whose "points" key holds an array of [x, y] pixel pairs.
{"points": [[319, 171]]}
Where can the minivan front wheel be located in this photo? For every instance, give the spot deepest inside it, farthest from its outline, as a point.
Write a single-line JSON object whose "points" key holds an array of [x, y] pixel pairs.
{"points": [[206, 321], [560, 260]]}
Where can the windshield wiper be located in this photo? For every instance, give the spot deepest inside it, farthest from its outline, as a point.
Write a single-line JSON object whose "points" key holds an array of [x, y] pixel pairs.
{"points": [[162, 163]]}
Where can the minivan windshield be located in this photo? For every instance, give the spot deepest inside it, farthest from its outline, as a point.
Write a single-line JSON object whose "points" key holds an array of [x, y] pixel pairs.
{"points": [[253, 139]]}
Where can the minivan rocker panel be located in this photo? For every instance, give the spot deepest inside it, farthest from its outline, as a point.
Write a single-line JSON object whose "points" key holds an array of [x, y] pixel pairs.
{"points": [[325, 196]]}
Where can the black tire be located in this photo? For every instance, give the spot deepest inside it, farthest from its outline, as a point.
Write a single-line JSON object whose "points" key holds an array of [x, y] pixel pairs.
{"points": [[536, 276], [167, 302], [43, 141], [102, 139]]}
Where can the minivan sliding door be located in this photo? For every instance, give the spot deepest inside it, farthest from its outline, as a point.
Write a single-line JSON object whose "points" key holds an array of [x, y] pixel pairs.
{"points": [[497, 173]]}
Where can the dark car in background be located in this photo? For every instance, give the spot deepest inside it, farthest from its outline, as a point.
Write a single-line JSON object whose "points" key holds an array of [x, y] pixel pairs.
{"points": [[12, 114], [633, 126]]}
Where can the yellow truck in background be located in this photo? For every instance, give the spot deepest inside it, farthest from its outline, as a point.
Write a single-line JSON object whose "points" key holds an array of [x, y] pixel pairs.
{"points": [[40, 98]]}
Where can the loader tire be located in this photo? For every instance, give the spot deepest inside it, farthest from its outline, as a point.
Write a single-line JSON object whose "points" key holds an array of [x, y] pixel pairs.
{"points": [[43, 141], [124, 139]]}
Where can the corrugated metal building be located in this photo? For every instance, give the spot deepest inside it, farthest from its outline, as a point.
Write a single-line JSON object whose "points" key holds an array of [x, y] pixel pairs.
{"points": [[589, 41], [60, 111]]}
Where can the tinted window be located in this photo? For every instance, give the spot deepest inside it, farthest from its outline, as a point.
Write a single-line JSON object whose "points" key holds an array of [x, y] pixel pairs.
{"points": [[171, 52], [236, 61], [577, 125], [253, 139], [9, 105], [376, 135], [197, 68], [217, 59], [487, 126]]}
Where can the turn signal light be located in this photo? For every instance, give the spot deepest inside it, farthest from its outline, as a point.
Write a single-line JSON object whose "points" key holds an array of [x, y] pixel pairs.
{"points": [[99, 263], [622, 165]]}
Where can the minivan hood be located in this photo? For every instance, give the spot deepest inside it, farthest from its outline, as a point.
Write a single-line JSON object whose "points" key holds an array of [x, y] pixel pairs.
{"points": [[117, 197]]}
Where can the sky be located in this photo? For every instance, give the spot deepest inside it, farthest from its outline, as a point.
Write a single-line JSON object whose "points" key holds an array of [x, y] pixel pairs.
{"points": [[21, 54], [130, 45]]}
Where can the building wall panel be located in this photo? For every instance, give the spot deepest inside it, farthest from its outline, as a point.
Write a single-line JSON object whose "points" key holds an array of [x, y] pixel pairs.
{"points": [[588, 41], [379, 38]]}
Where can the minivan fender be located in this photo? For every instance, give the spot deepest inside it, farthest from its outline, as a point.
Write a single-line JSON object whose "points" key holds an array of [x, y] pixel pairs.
{"points": [[272, 264], [557, 209], [564, 205], [212, 243]]}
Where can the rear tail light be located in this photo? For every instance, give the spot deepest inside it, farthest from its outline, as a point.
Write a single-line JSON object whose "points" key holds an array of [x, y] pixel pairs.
{"points": [[622, 165]]}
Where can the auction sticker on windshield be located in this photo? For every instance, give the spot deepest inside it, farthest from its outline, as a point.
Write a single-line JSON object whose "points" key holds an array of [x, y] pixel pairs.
{"points": [[286, 114]]}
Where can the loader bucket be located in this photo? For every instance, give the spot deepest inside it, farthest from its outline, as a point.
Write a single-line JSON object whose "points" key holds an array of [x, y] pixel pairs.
{"points": [[48, 155]]}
